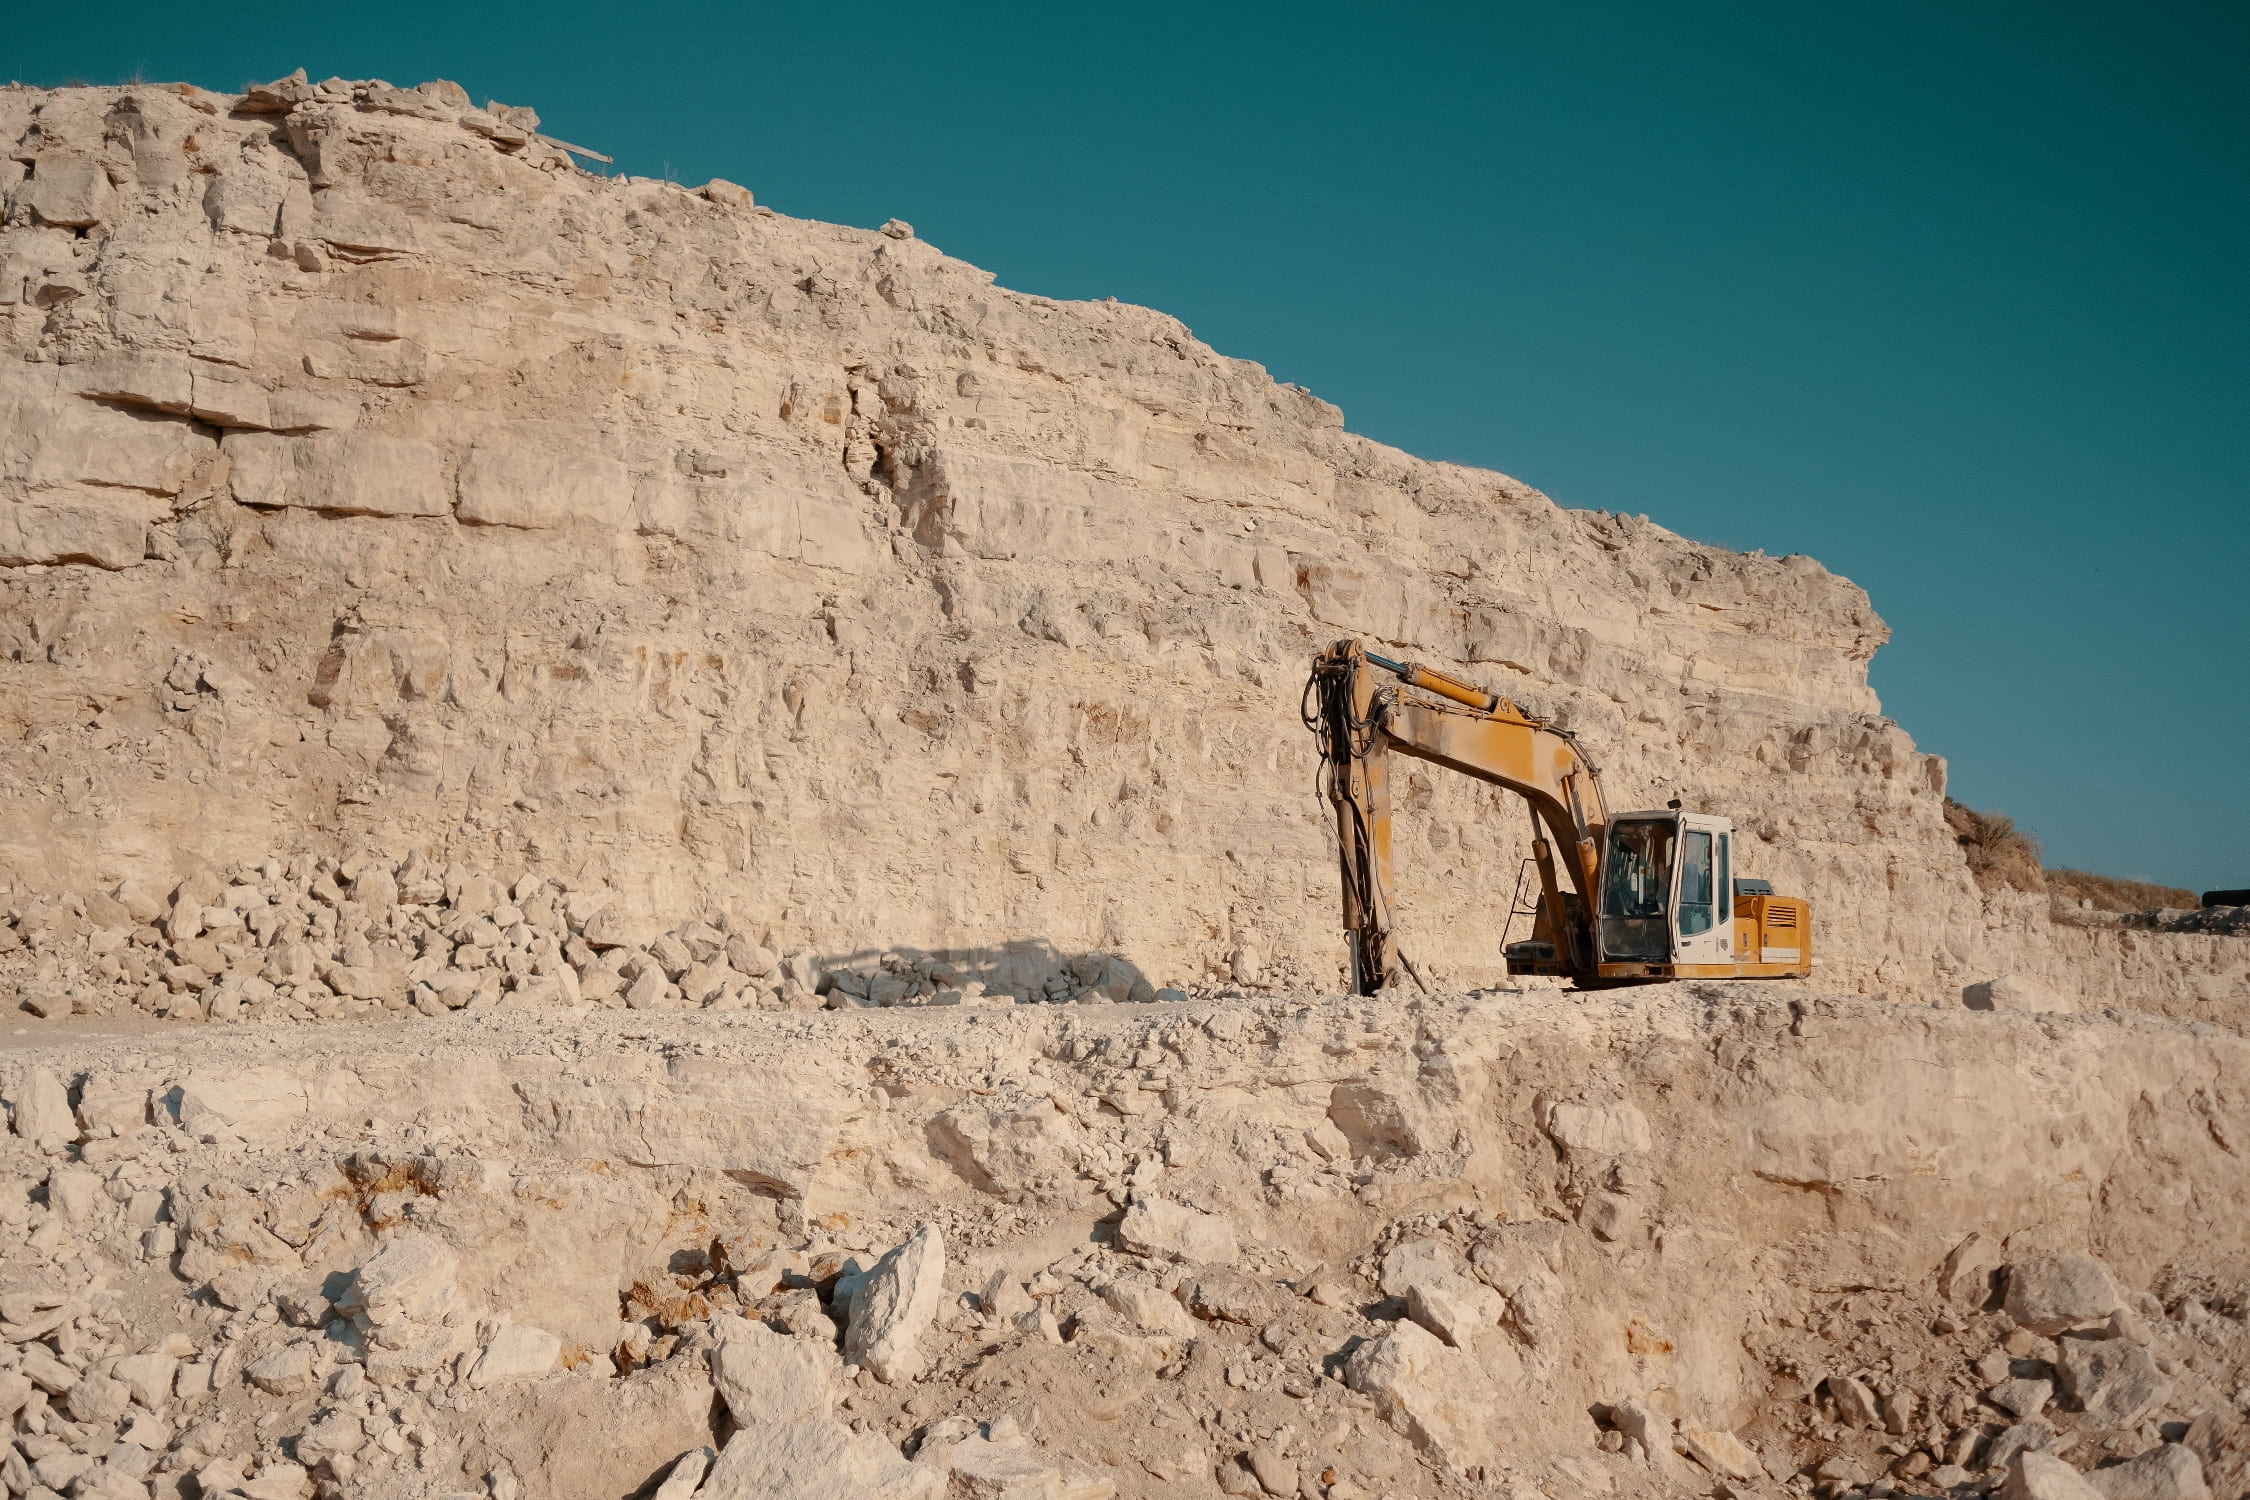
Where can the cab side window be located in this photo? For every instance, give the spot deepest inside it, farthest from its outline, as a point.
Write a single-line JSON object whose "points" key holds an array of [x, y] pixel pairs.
{"points": [[1695, 883]]}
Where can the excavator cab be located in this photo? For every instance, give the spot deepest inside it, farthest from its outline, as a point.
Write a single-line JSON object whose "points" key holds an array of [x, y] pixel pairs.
{"points": [[1672, 908]]}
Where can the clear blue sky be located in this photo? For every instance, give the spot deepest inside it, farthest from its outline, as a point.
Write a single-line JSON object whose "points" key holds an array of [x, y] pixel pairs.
{"points": [[1951, 297]]}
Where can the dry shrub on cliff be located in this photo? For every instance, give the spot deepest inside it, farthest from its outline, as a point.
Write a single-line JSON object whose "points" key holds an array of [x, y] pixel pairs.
{"points": [[2002, 855], [2108, 893], [1999, 853]]}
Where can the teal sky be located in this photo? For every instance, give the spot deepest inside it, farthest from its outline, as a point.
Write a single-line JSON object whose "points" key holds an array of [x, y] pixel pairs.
{"points": [[1951, 297]]}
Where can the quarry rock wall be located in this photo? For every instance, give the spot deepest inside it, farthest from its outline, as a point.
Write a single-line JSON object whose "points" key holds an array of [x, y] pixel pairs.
{"points": [[373, 477]]}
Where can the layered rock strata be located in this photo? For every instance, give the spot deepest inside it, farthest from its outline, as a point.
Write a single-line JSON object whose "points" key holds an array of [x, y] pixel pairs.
{"points": [[367, 468]]}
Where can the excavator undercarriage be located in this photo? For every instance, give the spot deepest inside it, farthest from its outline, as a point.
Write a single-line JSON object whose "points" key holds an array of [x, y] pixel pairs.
{"points": [[1627, 898]]}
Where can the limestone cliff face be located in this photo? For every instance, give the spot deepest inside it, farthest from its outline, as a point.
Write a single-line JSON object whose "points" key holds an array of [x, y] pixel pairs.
{"points": [[370, 474]]}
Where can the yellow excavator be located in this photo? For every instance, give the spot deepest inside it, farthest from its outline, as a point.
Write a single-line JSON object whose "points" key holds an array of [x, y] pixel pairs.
{"points": [[1652, 895]]}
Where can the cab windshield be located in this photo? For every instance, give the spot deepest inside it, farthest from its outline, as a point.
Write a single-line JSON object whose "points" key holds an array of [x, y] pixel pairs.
{"points": [[1636, 888]]}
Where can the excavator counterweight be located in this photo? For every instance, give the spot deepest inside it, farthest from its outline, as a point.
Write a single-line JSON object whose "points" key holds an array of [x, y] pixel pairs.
{"points": [[1629, 898]]}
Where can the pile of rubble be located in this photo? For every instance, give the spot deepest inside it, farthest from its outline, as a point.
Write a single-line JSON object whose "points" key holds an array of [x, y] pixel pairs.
{"points": [[2023, 1374], [1332, 1250], [1329, 1384], [2231, 921], [311, 938]]}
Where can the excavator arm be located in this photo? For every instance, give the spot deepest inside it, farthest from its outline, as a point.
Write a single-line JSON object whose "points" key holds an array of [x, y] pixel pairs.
{"points": [[1356, 703]]}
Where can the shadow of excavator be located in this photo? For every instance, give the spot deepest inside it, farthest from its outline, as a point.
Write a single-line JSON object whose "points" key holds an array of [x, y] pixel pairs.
{"points": [[1031, 969]]}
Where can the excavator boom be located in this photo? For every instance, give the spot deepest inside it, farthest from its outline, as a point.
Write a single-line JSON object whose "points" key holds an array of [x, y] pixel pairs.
{"points": [[1355, 705], [1663, 914]]}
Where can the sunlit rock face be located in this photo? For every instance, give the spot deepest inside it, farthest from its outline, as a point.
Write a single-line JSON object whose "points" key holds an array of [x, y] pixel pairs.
{"points": [[371, 477]]}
